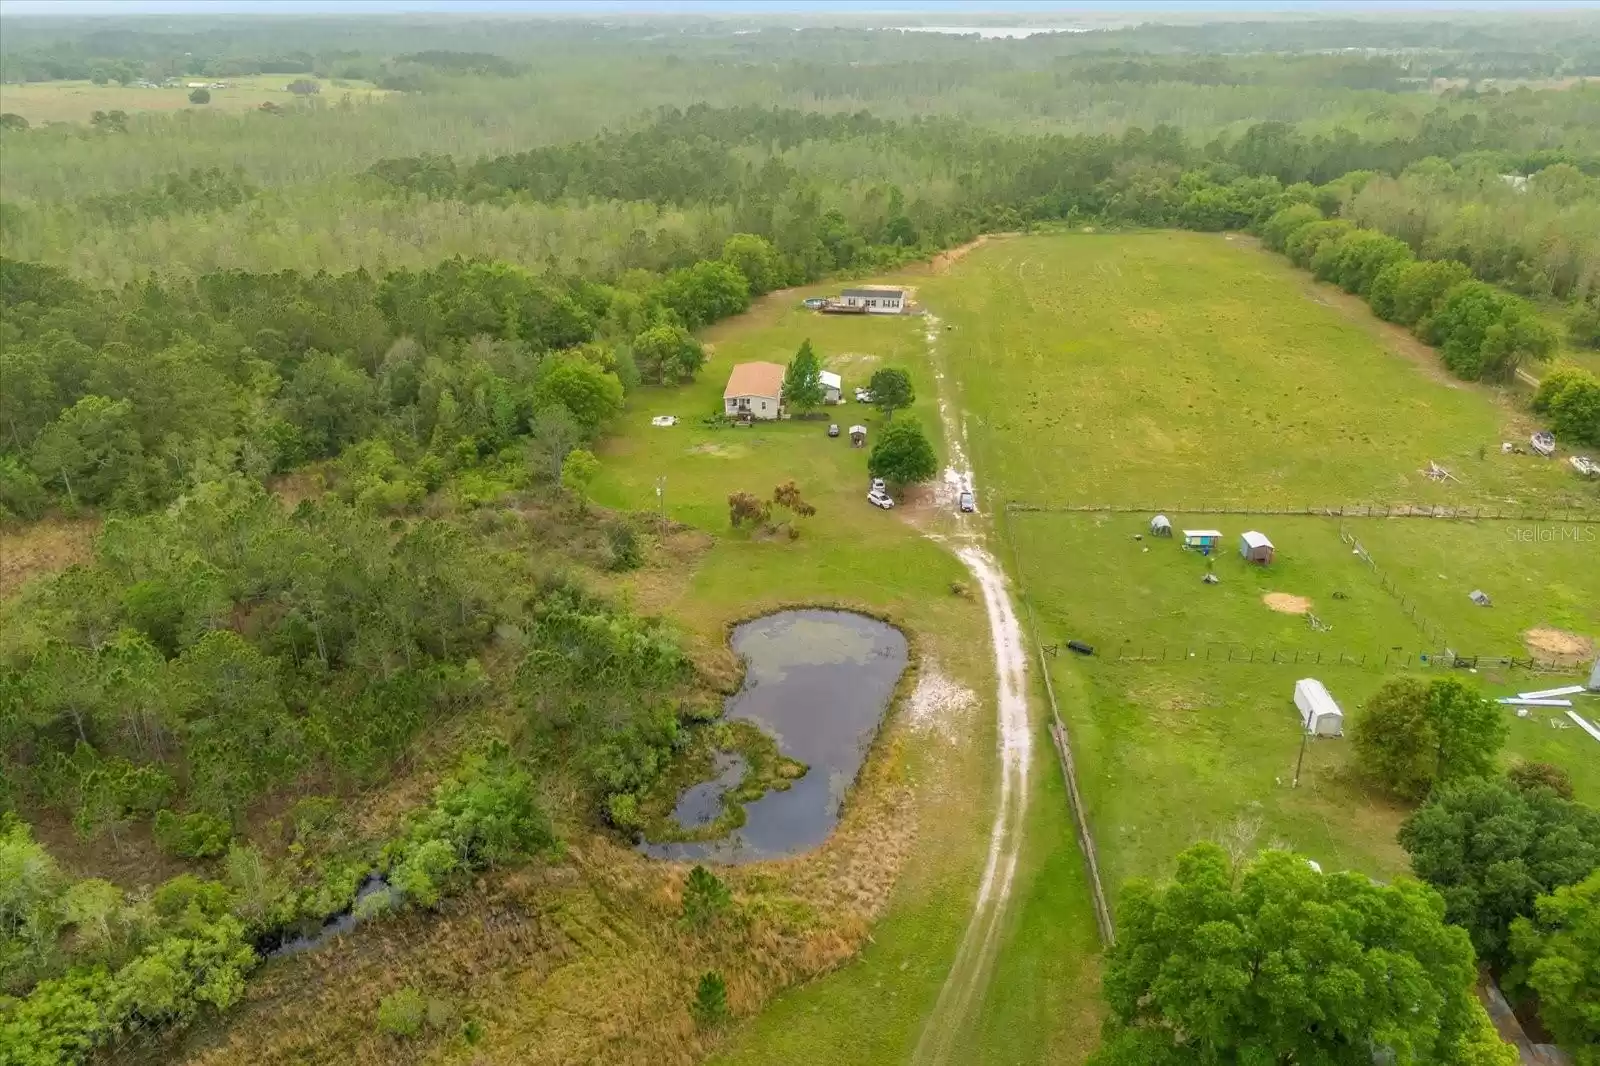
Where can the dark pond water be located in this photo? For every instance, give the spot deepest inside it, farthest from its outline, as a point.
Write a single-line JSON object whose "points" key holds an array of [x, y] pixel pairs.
{"points": [[339, 924], [818, 682]]}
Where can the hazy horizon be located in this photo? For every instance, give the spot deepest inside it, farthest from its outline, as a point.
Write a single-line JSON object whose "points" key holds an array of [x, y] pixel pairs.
{"points": [[943, 8]]}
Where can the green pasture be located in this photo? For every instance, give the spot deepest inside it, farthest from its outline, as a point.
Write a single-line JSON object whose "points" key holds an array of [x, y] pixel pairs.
{"points": [[1093, 581], [1185, 369], [1174, 368], [1543, 575]]}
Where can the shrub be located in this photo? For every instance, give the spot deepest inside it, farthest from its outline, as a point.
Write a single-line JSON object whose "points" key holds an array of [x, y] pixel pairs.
{"points": [[710, 1000], [705, 897], [402, 1013], [1527, 776], [625, 553], [194, 836], [1569, 396]]}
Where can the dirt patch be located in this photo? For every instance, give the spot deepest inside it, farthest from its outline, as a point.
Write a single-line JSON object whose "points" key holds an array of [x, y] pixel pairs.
{"points": [[45, 547], [721, 451], [1558, 644], [942, 262], [938, 702], [307, 483], [1286, 603]]}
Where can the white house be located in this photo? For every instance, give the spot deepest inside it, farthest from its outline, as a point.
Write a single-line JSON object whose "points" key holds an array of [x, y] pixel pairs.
{"points": [[755, 390], [1318, 712], [875, 301], [832, 387]]}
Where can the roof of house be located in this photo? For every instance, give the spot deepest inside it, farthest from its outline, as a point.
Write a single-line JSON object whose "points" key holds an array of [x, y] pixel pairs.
{"points": [[831, 380], [880, 293], [1256, 540], [755, 379], [1202, 533]]}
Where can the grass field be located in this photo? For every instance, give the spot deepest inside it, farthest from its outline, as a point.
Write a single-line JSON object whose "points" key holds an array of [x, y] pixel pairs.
{"points": [[1182, 369], [75, 101], [1172, 368]]}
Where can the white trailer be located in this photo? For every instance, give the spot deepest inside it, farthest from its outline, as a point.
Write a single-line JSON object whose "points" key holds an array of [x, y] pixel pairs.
{"points": [[1319, 714]]}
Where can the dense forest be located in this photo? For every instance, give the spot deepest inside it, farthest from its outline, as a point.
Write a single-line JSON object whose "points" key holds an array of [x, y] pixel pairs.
{"points": [[424, 307]]}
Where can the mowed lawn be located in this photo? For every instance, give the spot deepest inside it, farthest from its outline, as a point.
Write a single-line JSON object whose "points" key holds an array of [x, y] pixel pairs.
{"points": [[76, 101], [872, 1009], [1185, 369], [702, 465]]}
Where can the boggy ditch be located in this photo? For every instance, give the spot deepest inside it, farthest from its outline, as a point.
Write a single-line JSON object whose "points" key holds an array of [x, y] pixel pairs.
{"points": [[772, 779]]}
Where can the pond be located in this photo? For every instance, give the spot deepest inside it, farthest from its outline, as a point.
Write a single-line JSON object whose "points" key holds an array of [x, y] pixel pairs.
{"points": [[817, 682]]}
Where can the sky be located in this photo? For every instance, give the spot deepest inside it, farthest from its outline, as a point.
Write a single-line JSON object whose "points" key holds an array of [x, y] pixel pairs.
{"points": [[712, 7]]}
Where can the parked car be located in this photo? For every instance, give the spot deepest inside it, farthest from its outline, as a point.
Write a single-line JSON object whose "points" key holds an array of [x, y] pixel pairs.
{"points": [[664, 420], [879, 487], [833, 429], [968, 503], [880, 499], [863, 396]]}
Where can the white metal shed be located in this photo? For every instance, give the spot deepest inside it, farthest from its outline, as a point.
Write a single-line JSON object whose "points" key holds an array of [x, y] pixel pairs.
{"points": [[1318, 711], [832, 386]]}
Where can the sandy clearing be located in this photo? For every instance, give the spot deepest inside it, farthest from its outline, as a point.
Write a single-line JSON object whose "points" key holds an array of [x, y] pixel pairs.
{"points": [[1558, 643], [969, 970], [939, 703], [1286, 602]]}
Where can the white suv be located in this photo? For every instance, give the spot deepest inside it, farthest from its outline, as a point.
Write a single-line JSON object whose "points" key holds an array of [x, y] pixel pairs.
{"points": [[879, 498]]}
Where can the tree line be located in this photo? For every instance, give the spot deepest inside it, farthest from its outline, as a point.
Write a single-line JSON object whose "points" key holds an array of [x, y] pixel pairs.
{"points": [[123, 399]]}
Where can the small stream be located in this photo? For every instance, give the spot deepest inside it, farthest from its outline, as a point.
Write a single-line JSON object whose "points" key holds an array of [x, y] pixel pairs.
{"points": [[338, 925], [818, 682]]}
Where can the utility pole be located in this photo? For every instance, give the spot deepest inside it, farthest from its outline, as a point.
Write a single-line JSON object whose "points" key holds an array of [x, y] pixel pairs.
{"points": [[661, 497], [1305, 735]]}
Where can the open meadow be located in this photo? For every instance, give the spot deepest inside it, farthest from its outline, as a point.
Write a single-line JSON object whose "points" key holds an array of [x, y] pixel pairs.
{"points": [[76, 101], [1177, 369], [1174, 369]]}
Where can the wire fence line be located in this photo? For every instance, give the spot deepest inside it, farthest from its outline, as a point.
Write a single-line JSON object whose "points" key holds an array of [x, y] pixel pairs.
{"points": [[1062, 741], [1393, 659], [1407, 604], [1576, 515]]}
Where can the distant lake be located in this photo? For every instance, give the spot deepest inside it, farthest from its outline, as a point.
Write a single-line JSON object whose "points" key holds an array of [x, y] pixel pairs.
{"points": [[992, 32]]}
